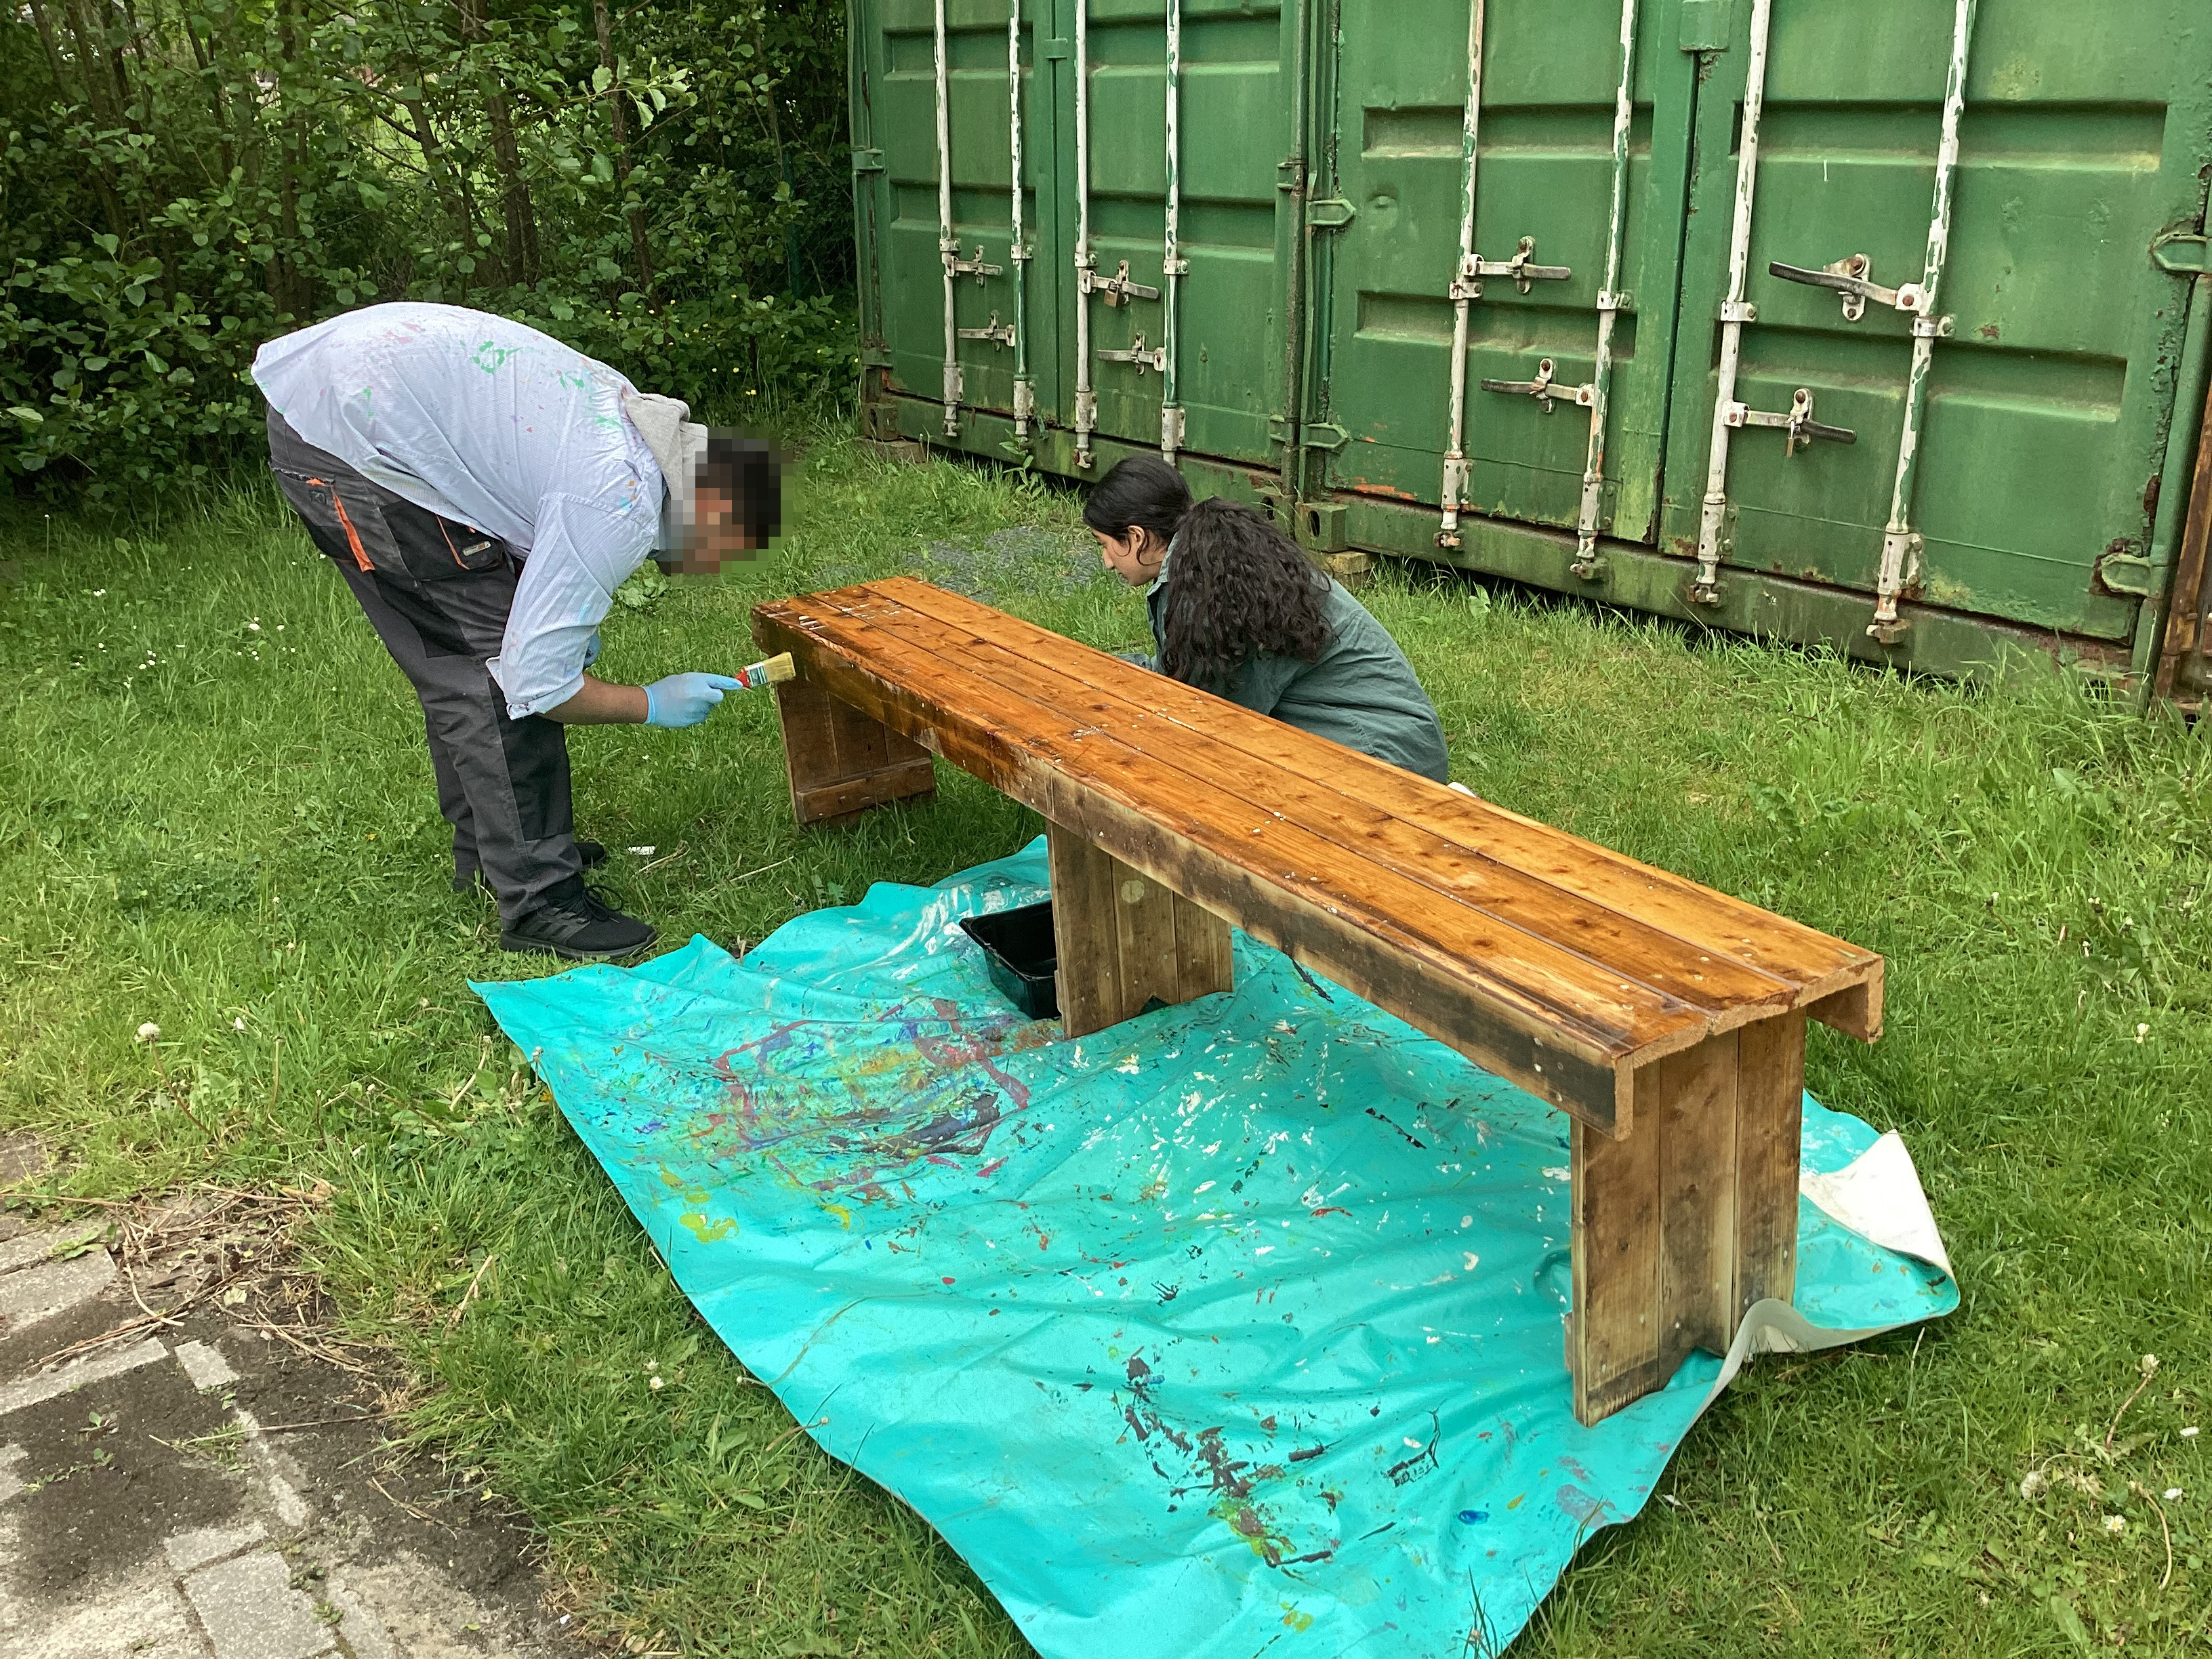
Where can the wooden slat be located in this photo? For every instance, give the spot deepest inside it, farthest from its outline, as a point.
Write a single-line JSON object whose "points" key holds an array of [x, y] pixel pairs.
{"points": [[1558, 986], [1124, 940], [838, 760], [1616, 1349], [1083, 932], [1623, 946], [1693, 1097], [1523, 1041], [1769, 1114], [1700, 916]]}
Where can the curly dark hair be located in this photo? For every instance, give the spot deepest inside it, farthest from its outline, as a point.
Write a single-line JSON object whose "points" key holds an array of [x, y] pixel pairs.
{"points": [[1238, 589], [1143, 492]]}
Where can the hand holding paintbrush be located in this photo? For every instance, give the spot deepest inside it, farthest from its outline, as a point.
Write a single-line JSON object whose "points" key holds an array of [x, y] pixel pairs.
{"points": [[684, 700]]}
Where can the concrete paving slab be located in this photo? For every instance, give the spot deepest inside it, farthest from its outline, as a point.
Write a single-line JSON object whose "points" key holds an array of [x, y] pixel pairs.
{"points": [[250, 1610], [189, 1550], [93, 1368], [29, 1249], [30, 1295], [143, 1617], [205, 1364]]}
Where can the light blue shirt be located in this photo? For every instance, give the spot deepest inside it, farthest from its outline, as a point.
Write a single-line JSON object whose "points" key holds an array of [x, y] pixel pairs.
{"points": [[477, 418]]}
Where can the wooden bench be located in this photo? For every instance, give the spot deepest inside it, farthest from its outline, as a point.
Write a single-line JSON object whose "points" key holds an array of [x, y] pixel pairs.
{"points": [[1667, 1019]]}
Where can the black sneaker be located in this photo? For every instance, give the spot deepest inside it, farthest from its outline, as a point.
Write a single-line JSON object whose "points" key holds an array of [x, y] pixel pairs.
{"points": [[579, 926], [592, 853]]}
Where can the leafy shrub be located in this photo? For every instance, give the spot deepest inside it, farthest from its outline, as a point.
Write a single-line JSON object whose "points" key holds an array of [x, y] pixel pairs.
{"points": [[665, 187]]}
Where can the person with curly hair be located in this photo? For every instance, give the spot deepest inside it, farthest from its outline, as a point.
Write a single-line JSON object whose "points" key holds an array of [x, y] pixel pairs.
{"points": [[1239, 610]]}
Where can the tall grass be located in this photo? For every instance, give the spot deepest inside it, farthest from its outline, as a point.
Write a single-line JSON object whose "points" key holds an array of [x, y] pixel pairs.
{"points": [[215, 814]]}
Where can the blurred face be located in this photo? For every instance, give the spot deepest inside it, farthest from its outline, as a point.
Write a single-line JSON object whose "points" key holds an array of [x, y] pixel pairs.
{"points": [[716, 536], [1135, 557]]}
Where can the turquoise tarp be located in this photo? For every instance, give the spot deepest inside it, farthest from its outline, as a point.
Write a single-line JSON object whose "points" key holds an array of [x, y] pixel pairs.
{"points": [[1242, 1319]]}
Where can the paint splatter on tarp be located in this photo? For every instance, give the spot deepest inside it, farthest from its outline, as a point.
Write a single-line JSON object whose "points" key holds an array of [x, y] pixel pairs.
{"points": [[1236, 1325]]}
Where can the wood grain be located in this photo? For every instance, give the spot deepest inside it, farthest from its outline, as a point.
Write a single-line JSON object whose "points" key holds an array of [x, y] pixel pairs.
{"points": [[1699, 916], [838, 760], [1770, 1126], [1124, 940]]}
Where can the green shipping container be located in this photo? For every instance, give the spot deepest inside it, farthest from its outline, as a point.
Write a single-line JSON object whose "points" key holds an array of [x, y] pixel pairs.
{"points": [[1881, 323]]}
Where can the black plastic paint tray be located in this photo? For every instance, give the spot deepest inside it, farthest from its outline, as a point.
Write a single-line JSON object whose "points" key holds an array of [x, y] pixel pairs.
{"points": [[1022, 955]]}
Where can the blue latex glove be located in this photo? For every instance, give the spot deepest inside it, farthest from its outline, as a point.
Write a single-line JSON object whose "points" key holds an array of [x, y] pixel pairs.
{"points": [[686, 699]]}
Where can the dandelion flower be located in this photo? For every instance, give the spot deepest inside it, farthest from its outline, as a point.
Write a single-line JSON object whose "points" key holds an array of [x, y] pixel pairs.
{"points": [[149, 1032], [2033, 1484]]}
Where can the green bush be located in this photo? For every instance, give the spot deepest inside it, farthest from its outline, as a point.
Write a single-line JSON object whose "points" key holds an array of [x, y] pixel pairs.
{"points": [[180, 180]]}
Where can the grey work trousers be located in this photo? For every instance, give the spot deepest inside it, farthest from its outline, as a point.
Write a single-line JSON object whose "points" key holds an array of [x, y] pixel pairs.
{"points": [[438, 593]]}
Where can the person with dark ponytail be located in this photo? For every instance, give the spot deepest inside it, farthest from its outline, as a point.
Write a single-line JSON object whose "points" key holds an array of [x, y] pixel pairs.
{"points": [[1239, 610]]}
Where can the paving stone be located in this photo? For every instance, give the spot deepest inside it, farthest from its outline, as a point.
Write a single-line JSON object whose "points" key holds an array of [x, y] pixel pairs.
{"points": [[291, 1508], [363, 1631], [34, 1247], [32, 1294], [204, 1363], [94, 1368], [188, 1551], [141, 1617], [250, 1610]]}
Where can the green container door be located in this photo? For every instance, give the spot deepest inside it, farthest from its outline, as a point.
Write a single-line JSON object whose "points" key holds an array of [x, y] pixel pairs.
{"points": [[1233, 127], [896, 138], [1224, 355], [1550, 76], [2051, 395]]}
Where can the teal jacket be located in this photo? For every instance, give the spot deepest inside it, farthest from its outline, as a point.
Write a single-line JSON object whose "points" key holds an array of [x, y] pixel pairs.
{"points": [[1361, 694]]}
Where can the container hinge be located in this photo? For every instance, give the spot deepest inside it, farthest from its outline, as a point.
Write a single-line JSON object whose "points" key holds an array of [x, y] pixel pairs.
{"points": [[976, 267], [1545, 390], [868, 160], [1467, 285], [2184, 252], [1848, 277], [1156, 358], [2125, 572], [1330, 213], [1324, 435], [1707, 25], [1117, 289], [1798, 423], [875, 354], [997, 333]]}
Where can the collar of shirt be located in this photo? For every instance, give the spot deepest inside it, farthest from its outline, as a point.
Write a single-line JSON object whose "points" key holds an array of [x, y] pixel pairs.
{"points": [[1161, 579]]}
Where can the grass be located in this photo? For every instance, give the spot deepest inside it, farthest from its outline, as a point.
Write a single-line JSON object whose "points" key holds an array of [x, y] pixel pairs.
{"points": [[216, 815]]}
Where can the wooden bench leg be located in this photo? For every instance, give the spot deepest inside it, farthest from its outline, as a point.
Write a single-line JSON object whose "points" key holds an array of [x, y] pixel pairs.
{"points": [[1690, 1219], [1124, 939], [840, 762]]}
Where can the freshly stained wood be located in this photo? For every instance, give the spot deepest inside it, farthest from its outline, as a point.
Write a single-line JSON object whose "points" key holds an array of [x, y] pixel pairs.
{"points": [[1596, 964], [1669, 1019]]}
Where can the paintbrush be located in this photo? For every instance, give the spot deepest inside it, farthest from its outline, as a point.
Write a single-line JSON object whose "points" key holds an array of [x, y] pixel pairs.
{"points": [[774, 672]]}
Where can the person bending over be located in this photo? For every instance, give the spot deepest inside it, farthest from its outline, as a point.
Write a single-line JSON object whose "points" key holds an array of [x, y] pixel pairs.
{"points": [[483, 489], [1239, 610]]}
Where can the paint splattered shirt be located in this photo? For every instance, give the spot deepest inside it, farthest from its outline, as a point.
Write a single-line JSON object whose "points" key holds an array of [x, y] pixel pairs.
{"points": [[480, 419]]}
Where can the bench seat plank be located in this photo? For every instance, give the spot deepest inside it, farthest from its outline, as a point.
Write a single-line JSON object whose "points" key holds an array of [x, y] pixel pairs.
{"points": [[1816, 963], [1732, 992], [1564, 960], [1619, 1018]]}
